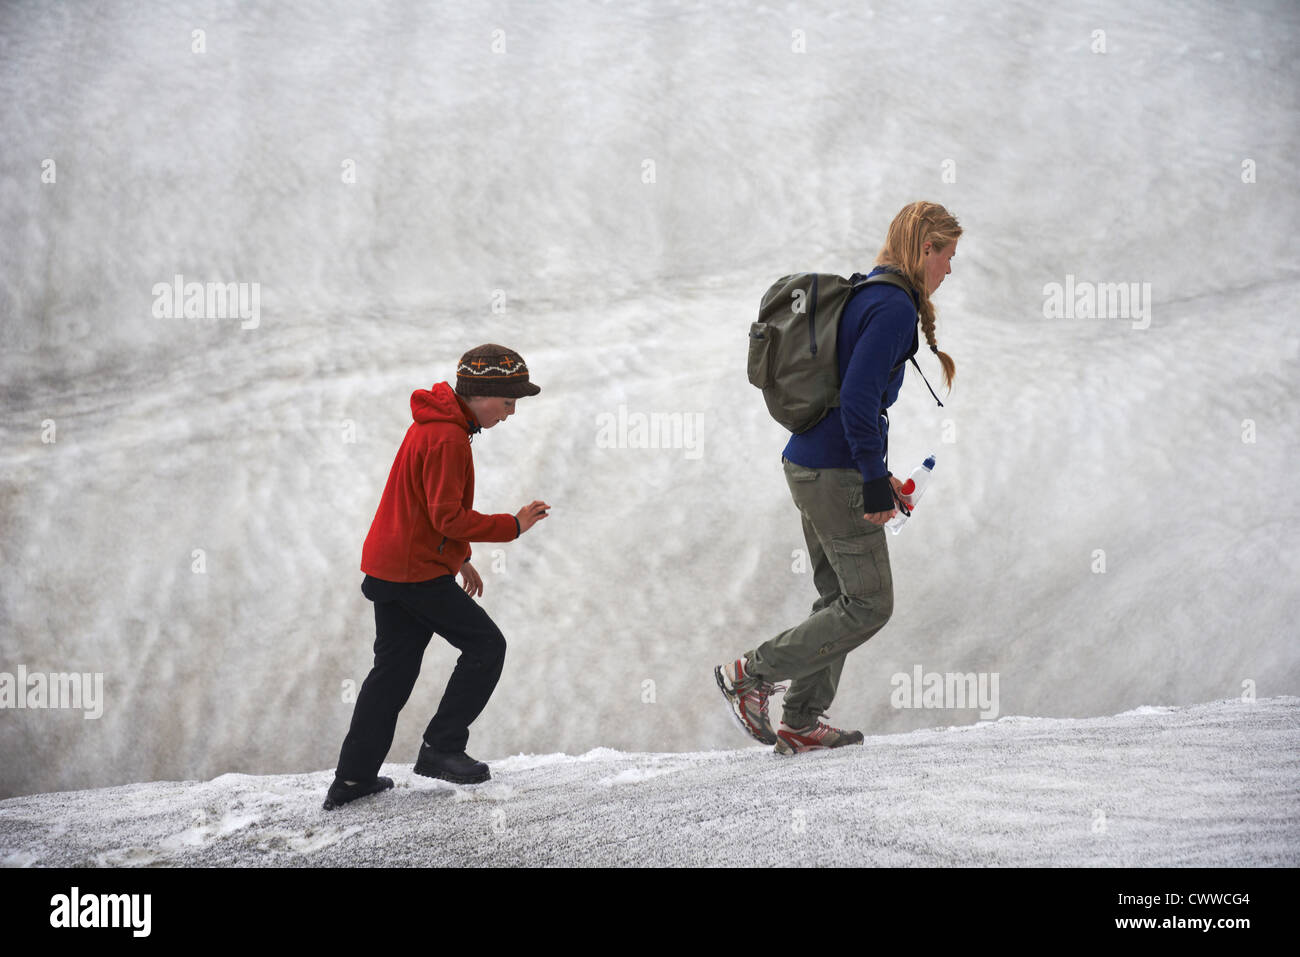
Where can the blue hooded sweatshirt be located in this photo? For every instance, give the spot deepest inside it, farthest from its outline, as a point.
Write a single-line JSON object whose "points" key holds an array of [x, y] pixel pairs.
{"points": [[876, 337]]}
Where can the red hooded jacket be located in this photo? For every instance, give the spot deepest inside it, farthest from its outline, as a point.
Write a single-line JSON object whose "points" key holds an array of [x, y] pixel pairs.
{"points": [[425, 520]]}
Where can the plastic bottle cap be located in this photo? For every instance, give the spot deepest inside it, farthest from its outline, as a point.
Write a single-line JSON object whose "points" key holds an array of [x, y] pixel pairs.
{"points": [[929, 463]]}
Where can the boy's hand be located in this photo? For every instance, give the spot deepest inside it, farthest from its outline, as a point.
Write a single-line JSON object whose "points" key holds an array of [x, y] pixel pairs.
{"points": [[530, 515], [473, 583]]}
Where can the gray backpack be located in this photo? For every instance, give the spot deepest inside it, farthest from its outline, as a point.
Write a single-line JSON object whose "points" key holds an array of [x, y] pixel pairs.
{"points": [[792, 345]]}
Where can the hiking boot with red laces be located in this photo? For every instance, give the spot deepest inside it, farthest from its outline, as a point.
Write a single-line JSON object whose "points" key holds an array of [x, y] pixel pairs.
{"points": [[816, 736], [747, 697]]}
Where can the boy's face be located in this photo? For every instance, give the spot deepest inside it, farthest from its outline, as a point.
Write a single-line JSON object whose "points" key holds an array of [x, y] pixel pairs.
{"points": [[489, 410]]}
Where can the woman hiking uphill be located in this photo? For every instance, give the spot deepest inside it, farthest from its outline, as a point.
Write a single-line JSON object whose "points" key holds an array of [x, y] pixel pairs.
{"points": [[838, 476], [418, 542]]}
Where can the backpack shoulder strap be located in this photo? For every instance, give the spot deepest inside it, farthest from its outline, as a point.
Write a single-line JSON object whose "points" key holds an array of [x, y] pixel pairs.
{"points": [[893, 278]]}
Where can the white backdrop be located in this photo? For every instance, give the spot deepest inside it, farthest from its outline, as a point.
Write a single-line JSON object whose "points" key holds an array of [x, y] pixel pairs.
{"points": [[608, 189]]}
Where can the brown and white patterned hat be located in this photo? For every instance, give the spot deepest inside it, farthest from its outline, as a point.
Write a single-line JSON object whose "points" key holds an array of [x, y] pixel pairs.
{"points": [[494, 370]]}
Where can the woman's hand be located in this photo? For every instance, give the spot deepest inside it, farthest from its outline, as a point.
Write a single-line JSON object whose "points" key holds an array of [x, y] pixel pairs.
{"points": [[898, 495], [473, 583], [880, 518]]}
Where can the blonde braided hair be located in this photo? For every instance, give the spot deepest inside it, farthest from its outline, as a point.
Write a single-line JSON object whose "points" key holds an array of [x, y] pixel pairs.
{"points": [[916, 224]]}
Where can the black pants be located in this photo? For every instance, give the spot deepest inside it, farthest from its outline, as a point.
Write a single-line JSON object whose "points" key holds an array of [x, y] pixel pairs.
{"points": [[407, 614]]}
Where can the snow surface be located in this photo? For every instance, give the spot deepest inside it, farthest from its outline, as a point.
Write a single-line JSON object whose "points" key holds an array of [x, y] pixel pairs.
{"points": [[1215, 784], [523, 172]]}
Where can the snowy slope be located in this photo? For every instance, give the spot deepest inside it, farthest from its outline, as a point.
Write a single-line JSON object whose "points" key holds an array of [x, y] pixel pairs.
{"points": [[1211, 785], [523, 172]]}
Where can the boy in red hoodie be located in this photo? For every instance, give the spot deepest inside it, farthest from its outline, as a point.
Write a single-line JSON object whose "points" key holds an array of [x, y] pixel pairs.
{"points": [[418, 542]]}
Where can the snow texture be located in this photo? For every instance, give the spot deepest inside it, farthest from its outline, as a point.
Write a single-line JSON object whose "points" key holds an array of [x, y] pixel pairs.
{"points": [[1211, 785], [1101, 533]]}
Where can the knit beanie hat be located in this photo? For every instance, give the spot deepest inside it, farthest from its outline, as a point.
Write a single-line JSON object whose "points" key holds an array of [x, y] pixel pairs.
{"points": [[493, 370]]}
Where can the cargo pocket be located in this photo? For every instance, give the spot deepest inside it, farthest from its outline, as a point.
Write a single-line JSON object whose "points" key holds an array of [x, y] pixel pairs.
{"points": [[761, 346], [857, 564]]}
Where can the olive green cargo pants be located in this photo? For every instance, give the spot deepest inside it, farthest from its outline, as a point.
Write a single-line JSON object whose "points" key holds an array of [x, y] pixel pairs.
{"points": [[850, 565]]}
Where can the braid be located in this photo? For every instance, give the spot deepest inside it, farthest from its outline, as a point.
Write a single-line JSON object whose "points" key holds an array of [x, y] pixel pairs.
{"points": [[927, 327]]}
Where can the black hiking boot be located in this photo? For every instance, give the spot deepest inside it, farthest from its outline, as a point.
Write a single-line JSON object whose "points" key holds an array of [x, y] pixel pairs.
{"points": [[341, 792], [455, 766]]}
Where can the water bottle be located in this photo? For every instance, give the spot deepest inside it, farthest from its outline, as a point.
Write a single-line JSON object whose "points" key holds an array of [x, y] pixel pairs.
{"points": [[912, 490]]}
